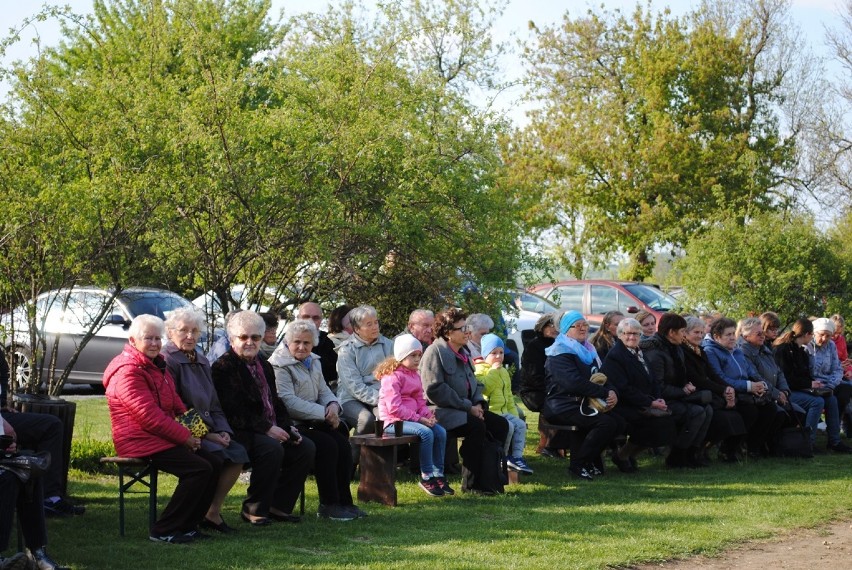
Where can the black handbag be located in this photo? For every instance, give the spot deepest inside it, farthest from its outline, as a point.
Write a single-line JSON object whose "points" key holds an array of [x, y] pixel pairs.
{"points": [[26, 464], [794, 441], [493, 476]]}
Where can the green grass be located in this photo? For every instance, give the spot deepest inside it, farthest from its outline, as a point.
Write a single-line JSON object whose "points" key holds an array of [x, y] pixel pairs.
{"points": [[549, 521]]}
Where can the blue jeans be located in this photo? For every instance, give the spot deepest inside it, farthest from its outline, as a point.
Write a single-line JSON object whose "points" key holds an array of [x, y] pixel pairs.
{"points": [[813, 409], [517, 437], [433, 442]]}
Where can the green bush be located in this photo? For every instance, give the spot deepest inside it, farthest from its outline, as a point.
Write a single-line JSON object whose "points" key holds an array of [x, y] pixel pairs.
{"points": [[86, 454]]}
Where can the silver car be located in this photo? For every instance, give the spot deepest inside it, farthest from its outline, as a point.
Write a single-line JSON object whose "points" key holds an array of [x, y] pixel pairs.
{"points": [[64, 316]]}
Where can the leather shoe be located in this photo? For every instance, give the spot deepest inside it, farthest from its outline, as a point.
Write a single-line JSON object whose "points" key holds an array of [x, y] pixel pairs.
{"points": [[581, 472], [624, 465], [44, 562], [259, 521]]}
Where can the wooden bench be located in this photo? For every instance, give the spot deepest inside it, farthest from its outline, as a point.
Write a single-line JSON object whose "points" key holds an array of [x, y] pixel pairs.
{"points": [[139, 471], [378, 466]]}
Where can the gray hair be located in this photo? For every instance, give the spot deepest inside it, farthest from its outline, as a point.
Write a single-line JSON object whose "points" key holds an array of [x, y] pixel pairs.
{"points": [[358, 314], [141, 322], [420, 313], [298, 327], [185, 315], [247, 321], [693, 322], [625, 325], [478, 321], [748, 326]]}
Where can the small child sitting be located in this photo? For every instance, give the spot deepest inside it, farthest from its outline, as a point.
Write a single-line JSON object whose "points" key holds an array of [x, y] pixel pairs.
{"points": [[401, 398], [498, 391]]}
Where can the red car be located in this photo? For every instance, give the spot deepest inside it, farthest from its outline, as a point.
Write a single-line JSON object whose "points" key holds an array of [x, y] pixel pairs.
{"points": [[595, 297]]}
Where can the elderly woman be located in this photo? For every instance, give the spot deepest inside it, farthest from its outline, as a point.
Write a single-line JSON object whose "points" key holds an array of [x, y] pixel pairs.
{"points": [[571, 361], [754, 400], [479, 325], [826, 364], [690, 406], [194, 383], [280, 457], [314, 407], [450, 385], [750, 340], [641, 404], [357, 387], [533, 390], [143, 405], [727, 427], [792, 356], [604, 337]]}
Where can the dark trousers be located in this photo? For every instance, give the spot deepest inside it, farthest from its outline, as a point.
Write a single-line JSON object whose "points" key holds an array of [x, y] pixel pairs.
{"points": [[27, 499], [332, 464], [474, 434], [278, 472], [197, 475], [597, 432], [41, 432], [843, 393], [761, 421]]}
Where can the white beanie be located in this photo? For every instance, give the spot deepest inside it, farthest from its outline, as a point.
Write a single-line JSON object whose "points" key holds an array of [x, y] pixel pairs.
{"points": [[404, 345], [823, 324]]}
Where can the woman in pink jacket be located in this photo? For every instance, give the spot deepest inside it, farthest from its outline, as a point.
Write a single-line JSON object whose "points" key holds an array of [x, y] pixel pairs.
{"points": [[143, 405], [401, 399]]}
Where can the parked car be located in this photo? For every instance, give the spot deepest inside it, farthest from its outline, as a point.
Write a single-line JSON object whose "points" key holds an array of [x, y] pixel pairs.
{"points": [[595, 297], [521, 317], [67, 314]]}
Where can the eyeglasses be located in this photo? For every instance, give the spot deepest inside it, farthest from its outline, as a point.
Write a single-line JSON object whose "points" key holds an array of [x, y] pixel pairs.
{"points": [[463, 328], [630, 334], [580, 327], [253, 337]]}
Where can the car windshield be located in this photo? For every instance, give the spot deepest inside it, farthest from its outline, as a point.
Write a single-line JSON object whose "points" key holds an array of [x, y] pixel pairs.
{"points": [[157, 303], [652, 297]]}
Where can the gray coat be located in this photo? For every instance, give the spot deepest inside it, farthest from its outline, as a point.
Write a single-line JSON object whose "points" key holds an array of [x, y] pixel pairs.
{"points": [[356, 361], [303, 390], [764, 361], [450, 384]]}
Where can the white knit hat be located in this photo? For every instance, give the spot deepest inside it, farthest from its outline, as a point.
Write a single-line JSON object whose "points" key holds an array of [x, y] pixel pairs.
{"points": [[404, 345], [823, 324]]}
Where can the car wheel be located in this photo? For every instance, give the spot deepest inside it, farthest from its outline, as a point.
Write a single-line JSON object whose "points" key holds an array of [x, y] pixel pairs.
{"points": [[20, 364]]}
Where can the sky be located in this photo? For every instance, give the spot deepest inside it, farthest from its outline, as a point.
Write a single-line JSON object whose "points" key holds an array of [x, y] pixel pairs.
{"points": [[811, 15]]}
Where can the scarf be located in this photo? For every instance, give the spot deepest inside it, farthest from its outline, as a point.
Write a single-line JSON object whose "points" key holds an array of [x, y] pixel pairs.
{"points": [[567, 345]]}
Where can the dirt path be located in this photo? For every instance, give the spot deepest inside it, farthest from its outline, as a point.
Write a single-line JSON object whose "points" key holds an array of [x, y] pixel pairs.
{"points": [[825, 547]]}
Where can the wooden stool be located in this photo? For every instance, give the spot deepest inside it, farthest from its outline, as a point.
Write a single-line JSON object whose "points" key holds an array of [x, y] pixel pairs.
{"points": [[573, 430], [378, 466], [137, 471]]}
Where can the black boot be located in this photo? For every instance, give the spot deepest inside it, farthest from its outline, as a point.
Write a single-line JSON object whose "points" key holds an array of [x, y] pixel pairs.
{"points": [[45, 562], [677, 459]]}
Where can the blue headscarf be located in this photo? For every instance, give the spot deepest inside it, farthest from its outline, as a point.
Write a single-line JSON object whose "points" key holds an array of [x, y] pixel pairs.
{"points": [[567, 345]]}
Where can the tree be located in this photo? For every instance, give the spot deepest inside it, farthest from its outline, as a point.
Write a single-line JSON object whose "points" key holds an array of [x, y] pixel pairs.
{"points": [[773, 262], [648, 127]]}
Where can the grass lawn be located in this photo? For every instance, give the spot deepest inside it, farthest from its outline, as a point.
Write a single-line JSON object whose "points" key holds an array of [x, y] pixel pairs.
{"points": [[549, 521]]}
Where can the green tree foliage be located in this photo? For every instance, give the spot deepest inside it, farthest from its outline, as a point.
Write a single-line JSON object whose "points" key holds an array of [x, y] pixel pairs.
{"points": [[646, 127], [772, 262], [196, 144]]}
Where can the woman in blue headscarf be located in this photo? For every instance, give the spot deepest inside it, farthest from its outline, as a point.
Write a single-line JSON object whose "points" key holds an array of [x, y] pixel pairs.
{"points": [[577, 394]]}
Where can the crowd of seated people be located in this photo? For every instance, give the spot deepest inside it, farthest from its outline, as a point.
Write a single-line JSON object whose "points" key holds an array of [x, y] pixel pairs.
{"points": [[686, 386]]}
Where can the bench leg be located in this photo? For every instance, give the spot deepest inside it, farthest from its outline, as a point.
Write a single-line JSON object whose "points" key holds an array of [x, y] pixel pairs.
{"points": [[137, 475], [378, 475]]}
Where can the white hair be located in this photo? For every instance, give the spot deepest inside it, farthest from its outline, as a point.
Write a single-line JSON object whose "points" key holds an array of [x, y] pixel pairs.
{"points": [[298, 327], [185, 315], [625, 325], [142, 322], [479, 321], [247, 321]]}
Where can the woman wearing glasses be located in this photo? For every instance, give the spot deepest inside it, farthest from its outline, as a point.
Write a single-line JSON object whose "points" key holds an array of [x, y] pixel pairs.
{"points": [[143, 405], [451, 387], [280, 457], [571, 362]]}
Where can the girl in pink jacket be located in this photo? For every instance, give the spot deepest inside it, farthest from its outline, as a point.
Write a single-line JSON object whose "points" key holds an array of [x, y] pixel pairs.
{"points": [[401, 399]]}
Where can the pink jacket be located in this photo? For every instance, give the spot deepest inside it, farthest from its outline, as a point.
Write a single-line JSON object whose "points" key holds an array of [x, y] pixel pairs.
{"points": [[142, 405], [401, 397]]}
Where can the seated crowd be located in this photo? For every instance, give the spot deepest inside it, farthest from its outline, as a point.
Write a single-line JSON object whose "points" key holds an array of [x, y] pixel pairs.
{"points": [[276, 408]]}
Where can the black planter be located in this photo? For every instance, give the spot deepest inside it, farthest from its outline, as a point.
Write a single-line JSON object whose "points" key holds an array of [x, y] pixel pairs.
{"points": [[64, 410]]}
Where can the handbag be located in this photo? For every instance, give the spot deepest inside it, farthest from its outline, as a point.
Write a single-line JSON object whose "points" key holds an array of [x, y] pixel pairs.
{"points": [[821, 392], [595, 405], [702, 397], [26, 464], [193, 421], [794, 441]]}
